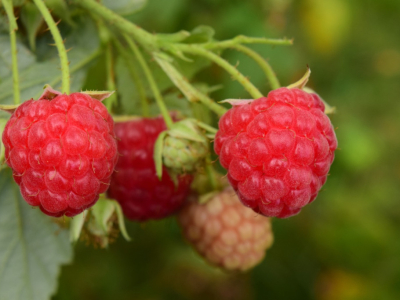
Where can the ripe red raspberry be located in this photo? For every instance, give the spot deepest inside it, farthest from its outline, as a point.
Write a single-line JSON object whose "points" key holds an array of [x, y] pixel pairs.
{"points": [[226, 233], [135, 184], [277, 150], [62, 152]]}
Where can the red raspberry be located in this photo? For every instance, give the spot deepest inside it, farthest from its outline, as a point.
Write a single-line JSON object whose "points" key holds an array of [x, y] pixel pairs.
{"points": [[277, 150], [226, 233], [135, 184], [62, 152]]}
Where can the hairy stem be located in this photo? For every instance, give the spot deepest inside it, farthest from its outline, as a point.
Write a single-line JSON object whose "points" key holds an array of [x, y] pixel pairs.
{"points": [[13, 43], [152, 82], [59, 43], [190, 92], [135, 77], [194, 49]]}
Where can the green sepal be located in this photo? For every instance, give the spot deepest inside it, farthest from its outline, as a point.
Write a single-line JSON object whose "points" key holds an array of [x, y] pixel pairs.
{"points": [[121, 222], [99, 221], [98, 95], [76, 226], [9, 108], [3, 123], [200, 34], [158, 150], [186, 129], [301, 83]]}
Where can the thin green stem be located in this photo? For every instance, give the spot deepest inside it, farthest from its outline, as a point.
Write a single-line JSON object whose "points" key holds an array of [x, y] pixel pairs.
{"points": [[135, 77], [110, 84], [144, 38], [190, 92], [59, 43], [265, 66], [241, 39], [194, 49], [152, 82], [13, 43]]}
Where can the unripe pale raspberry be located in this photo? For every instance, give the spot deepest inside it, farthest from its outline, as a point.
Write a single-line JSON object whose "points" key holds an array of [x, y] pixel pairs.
{"points": [[62, 152], [135, 184], [183, 156], [226, 233], [277, 150]]}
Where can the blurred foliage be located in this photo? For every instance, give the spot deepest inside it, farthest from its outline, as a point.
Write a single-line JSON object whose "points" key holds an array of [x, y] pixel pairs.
{"points": [[343, 246]]}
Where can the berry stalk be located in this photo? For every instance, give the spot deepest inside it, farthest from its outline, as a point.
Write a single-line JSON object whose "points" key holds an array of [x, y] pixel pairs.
{"points": [[190, 92], [265, 66], [194, 49], [59, 43], [13, 43], [152, 82]]}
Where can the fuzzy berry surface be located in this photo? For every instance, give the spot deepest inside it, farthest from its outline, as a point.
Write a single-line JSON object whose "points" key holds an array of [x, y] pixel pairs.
{"points": [[278, 150], [62, 152], [135, 184], [226, 233]]}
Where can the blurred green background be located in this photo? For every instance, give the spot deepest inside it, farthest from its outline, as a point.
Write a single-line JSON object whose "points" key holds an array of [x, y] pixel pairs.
{"points": [[346, 244]]}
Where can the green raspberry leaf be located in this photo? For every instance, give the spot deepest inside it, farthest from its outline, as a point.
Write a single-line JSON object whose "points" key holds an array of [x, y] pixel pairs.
{"points": [[32, 247]]}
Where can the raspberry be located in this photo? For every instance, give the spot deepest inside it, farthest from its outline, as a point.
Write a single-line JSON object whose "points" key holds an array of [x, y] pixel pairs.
{"points": [[62, 152], [226, 233], [277, 150], [135, 184]]}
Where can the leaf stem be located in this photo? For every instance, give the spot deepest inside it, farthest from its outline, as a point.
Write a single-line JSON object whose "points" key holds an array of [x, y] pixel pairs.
{"points": [[59, 43], [152, 82], [13, 43], [194, 49], [135, 77], [190, 92], [265, 66]]}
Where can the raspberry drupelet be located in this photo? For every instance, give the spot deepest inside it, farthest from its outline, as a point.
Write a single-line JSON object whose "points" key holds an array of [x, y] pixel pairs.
{"points": [[135, 184], [62, 152], [278, 150], [226, 233]]}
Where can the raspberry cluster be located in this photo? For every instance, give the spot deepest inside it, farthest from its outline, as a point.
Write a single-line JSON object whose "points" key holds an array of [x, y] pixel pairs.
{"points": [[226, 233], [278, 150], [135, 184], [62, 152]]}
